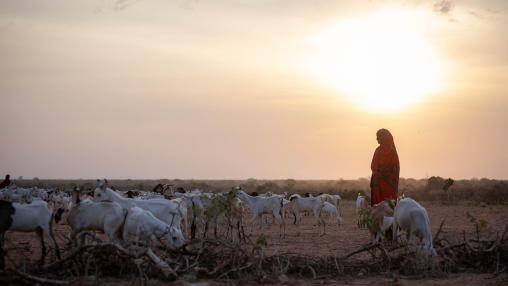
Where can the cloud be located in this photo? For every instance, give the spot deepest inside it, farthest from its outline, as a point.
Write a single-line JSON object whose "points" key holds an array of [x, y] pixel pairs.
{"points": [[443, 6], [120, 5]]}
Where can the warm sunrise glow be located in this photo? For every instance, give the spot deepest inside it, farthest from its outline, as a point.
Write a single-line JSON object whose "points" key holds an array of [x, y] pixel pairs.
{"points": [[381, 60], [225, 89]]}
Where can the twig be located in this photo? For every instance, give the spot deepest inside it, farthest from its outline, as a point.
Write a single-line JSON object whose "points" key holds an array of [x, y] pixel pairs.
{"points": [[368, 247], [439, 231], [314, 275], [494, 245], [236, 269]]}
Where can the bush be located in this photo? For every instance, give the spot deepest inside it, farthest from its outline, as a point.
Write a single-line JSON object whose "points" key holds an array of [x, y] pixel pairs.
{"points": [[434, 189]]}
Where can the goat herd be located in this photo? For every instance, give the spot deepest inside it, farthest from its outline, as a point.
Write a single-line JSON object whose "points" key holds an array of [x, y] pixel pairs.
{"points": [[169, 216]]}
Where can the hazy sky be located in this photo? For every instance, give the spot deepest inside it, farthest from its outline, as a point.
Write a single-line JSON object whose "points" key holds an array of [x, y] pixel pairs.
{"points": [[229, 89]]}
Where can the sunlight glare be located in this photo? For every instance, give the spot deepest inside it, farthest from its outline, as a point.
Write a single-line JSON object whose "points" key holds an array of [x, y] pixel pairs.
{"points": [[382, 60]]}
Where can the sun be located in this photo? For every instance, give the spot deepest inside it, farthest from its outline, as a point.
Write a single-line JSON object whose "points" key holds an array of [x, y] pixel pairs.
{"points": [[382, 60]]}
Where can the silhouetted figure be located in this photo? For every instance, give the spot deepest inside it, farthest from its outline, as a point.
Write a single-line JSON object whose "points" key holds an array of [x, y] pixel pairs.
{"points": [[385, 167], [6, 182]]}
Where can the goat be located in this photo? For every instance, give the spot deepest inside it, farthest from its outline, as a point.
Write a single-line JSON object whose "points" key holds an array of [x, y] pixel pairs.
{"points": [[330, 209], [35, 216], [142, 195], [314, 204], [264, 205], [334, 200], [286, 207], [381, 220], [40, 193], [143, 225], [61, 202], [162, 209], [361, 203], [270, 194], [193, 203], [107, 217], [16, 195], [414, 220], [182, 211]]}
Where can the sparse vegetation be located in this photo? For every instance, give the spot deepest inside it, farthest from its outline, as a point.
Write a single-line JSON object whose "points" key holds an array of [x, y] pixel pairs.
{"points": [[480, 191], [474, 243]]}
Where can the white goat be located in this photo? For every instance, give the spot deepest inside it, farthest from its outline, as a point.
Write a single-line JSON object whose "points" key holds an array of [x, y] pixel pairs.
{"points": [[16, 195], [195, 206], [162, 209], [182, 212], [414, 220], [264, 205], [314, 204], [286, 207], [140, 195], [361, 203], [33, 217], [331, 210], [40, 193], [143, 225], [61, 200], [87, 215], [285, 203], [333, 199]]}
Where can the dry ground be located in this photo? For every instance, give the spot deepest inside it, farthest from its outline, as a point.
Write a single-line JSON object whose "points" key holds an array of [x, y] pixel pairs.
{"points": [[339, 240], [23, 248]]}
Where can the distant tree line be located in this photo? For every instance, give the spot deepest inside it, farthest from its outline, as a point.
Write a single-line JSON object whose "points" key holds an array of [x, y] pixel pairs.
{"points": [[435, 188]]}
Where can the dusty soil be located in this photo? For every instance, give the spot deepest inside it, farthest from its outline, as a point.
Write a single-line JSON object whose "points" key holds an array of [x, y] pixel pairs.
{"points": [[307, 239]]}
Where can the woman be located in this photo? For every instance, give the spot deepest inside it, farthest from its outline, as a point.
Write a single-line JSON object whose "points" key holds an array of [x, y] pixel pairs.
{"points": [[385, 167]]}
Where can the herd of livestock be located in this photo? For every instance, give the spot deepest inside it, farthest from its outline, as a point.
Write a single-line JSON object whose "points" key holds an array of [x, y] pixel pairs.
{"points": [[168, 216]]}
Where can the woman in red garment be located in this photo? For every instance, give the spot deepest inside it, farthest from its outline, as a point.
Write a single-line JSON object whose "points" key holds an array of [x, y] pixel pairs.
{"points": [[385, 167]]}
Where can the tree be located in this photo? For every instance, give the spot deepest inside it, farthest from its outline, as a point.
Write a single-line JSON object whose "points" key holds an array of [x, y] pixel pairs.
{"points": [[446, 187], [434, 183]]}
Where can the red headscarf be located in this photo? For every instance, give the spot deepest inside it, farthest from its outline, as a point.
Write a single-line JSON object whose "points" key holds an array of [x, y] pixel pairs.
{"points": [[385, 169]]}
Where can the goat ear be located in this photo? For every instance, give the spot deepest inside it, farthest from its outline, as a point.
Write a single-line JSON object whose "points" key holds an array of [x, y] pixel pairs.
{"points": [[101, 184]]}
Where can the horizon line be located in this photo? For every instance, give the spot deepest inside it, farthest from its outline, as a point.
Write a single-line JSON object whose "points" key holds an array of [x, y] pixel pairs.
{"points": [[247, 179]]}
